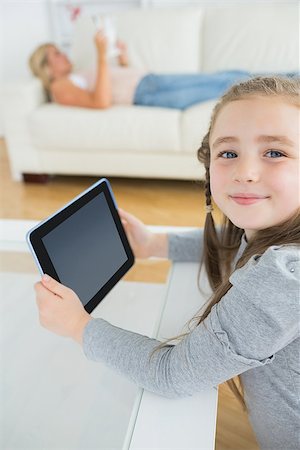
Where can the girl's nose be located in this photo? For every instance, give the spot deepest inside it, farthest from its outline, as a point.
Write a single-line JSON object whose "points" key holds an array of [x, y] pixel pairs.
{"points": [[246, 171]]}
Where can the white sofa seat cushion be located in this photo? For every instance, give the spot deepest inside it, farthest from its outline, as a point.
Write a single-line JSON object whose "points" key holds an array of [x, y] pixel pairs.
{"points": [[194, 125], [257, 38], [120, 128]]}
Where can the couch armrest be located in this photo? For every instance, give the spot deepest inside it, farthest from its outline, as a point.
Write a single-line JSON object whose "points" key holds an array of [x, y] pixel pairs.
{"points": [[18, 100], [22, 97]]}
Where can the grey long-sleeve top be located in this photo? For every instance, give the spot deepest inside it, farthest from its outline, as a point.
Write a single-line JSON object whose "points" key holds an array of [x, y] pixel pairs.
{"points": [[252, 331]]}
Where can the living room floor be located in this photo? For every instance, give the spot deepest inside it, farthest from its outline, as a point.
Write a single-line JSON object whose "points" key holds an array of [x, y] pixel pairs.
{"points": [[155, 202]]}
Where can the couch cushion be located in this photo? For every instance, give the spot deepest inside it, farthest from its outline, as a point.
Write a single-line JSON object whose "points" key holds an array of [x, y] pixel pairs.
{"points": [[158, 40], [194, 125], [121, 128], [258, 37]]}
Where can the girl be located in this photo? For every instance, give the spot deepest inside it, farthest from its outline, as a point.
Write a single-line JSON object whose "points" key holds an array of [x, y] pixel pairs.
{"points": [[122, 85], [251, 325]]}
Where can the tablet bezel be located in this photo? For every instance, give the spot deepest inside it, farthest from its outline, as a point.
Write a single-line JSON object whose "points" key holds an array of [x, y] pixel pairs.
{"points": [[37, 248]]}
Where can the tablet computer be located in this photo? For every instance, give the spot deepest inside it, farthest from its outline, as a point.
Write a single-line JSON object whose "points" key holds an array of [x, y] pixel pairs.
{"points": [[84, 245]]}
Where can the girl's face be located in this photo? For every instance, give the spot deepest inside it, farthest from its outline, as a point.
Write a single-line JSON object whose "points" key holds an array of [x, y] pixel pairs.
{"points": [[254, 165]]}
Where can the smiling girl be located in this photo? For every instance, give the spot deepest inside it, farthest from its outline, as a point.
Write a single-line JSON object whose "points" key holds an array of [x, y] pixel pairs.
{"points": [[250, 327]]}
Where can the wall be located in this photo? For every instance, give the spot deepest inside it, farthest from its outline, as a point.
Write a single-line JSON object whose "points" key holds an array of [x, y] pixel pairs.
{"points": [[1, 63], [23, 25]]}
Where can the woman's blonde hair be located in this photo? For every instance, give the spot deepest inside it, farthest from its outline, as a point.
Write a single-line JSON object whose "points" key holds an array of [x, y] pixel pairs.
{"points": [[221, 248], [39, 66]]}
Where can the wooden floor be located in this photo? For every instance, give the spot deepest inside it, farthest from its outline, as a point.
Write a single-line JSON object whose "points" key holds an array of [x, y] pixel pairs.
{"points": [[177, 203]]}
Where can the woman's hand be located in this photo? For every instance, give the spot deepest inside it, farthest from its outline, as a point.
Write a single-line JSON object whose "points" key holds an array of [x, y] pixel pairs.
{"points": [[143, 242], [123, 56], [60, 309], [101, 43]]}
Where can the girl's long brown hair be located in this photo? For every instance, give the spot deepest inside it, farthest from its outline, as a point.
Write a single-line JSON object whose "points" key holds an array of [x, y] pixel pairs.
{"points": [[220, 248]]}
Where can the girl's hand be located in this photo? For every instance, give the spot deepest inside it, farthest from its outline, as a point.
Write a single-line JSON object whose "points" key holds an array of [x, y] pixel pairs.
{"points": [[60, 309], [101, 43], [140, 238]]}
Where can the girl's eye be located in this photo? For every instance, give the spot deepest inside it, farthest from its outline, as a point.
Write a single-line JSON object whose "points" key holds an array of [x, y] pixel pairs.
{"points": [[275, 153], [227, 155]]}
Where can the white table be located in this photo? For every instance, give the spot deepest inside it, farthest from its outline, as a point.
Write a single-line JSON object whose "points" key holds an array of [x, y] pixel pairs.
{"points": [[53, 398]]}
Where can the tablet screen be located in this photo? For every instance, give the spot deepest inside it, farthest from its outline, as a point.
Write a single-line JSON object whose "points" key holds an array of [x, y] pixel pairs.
{"points": [[84, 245], [86, 248]]}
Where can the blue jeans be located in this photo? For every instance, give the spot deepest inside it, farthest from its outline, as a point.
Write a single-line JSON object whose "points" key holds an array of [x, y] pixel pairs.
{"points": [[182, 91]]}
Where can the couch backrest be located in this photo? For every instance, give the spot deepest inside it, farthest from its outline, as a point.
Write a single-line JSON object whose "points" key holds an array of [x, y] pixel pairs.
{"points": [[258, 37], [163, 40], [158, 40]]}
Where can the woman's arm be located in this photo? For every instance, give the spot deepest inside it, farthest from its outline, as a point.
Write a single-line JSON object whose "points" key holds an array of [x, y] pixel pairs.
{"points": [[102, 92], [66, 93]]}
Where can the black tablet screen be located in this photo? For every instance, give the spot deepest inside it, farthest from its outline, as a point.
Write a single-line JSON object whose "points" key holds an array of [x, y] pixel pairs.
{"points": [[86, 248]]}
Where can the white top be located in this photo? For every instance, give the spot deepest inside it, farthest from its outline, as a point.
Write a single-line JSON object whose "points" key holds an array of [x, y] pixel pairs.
{"points": [[79, 80], [124, 81]]}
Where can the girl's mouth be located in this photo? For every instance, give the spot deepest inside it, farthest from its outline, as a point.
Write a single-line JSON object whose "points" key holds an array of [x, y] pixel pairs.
{"points": [[247, 199]]}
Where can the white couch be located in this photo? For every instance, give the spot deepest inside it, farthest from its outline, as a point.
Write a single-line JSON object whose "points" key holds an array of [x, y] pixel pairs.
{"points": [[134, 141]]}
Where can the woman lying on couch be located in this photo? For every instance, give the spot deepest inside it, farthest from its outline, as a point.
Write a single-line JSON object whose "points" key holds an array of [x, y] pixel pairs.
{"points": [[123, 85]]}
